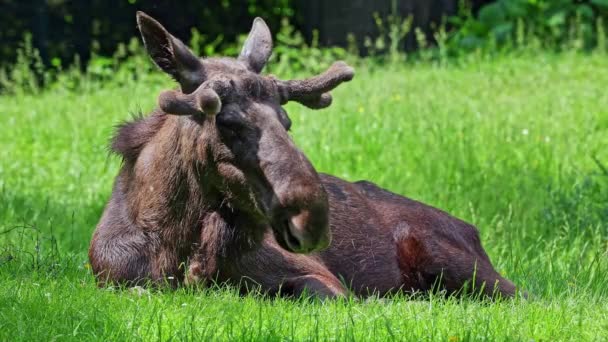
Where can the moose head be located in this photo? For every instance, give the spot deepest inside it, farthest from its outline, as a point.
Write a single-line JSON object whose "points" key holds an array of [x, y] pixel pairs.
{"points": [[241, 132]]}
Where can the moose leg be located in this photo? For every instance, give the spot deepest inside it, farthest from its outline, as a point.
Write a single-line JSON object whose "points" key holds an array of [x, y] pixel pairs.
{"points": [[210, 250], [475, 275], [452, 262], [201, 269], [122, 254], [270, 269], [276, 271], [320, 286], [129, 260], [167, 267], [119, 260]]}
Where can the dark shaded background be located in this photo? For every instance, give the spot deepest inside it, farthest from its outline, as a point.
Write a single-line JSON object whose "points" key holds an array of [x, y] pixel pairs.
{"points": [[65, 28]]}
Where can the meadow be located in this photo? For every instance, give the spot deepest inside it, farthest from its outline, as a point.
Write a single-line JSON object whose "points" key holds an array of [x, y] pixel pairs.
{"points": [[516, 145]]}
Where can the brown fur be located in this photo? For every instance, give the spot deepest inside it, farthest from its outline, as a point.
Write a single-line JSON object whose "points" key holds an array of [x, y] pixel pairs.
{"points": [[207, 178], [381, 243]]}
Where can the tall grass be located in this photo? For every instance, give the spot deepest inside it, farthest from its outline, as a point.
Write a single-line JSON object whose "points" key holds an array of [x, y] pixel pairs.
{"points": [[515, 144]]}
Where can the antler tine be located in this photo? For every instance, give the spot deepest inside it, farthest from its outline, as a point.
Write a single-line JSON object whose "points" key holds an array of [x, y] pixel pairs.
{"points": [[314, 92], [204, 100]]}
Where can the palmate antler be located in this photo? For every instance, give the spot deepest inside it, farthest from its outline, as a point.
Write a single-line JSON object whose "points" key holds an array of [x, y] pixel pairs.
{"points": [[314, 92]]}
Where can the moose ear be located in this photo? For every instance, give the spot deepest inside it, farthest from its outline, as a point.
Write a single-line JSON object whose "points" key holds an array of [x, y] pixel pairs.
{"points": [[170, 54], [258, 46]]}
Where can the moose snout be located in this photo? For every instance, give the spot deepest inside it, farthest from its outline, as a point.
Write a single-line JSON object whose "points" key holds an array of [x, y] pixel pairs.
{"points": [[299, 206], [307, 231], [303, 228]]}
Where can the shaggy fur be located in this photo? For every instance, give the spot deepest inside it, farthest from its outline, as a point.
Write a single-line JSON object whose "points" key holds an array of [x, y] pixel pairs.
{"points": [[213, 188]]}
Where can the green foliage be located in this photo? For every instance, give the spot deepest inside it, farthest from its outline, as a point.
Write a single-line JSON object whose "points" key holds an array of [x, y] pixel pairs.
{"points": [[130, 61], [28, 73], [62, 29], [554, 24], [292, 54], [389, 41], [500, 27], [515, 144]]}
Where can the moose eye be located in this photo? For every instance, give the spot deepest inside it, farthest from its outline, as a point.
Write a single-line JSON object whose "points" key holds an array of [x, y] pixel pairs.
{"points": [[230, 120]]}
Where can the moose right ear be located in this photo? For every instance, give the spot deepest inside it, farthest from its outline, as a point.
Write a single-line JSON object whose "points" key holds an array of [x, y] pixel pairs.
{"points": [[258, 46], [170, 54]]}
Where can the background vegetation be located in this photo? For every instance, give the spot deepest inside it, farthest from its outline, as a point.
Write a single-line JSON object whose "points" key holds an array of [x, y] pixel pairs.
{"points": [[509, 134]]}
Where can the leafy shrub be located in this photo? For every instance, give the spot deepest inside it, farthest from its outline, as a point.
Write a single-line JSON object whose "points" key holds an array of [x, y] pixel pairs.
{"points": [[130, 62], [292, 54], [554, 24]]}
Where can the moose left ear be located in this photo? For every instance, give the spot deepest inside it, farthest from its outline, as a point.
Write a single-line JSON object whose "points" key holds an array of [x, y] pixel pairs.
{"points": [[258, 46], [170, 54]]}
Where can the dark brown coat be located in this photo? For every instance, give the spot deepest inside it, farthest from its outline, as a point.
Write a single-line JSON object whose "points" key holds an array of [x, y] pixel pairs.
{"points": [[381, 243], [209, 175]]}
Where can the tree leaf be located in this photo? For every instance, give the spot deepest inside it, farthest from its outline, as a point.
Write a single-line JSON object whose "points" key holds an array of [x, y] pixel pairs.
{"points": [[585, 11], [601, 3], [492, 14]]}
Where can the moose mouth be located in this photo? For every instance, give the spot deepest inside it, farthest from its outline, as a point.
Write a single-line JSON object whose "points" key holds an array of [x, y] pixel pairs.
{"points": [[285, 238]]}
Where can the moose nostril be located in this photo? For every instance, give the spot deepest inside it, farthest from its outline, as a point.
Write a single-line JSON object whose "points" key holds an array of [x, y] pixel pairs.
{"points": [[305, 231], [293, 241], [302, 238]]}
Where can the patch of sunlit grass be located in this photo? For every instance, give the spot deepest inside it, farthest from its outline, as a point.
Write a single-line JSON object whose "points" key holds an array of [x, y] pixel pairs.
{"points": [[517, 146]]}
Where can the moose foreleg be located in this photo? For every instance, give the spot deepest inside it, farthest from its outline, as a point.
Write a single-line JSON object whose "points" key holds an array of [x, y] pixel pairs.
{"points": [[456, 263], [314, 285]]}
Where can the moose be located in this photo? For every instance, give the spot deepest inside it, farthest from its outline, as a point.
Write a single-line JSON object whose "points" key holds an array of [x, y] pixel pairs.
{"points": [[213, 189]]}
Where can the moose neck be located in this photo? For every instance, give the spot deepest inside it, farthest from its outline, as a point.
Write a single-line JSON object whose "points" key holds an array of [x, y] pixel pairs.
{"points": [[171, 182]]}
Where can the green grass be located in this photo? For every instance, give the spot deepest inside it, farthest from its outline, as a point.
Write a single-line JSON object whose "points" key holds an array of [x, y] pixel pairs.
{"points": [[514, 145]]}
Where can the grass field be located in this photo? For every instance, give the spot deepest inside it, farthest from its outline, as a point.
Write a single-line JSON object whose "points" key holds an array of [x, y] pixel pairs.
{"points": [[516, 145]]}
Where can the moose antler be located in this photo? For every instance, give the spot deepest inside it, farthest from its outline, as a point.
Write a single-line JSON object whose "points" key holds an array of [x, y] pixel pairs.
{"points": [[204, 100], [314, 92]]}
